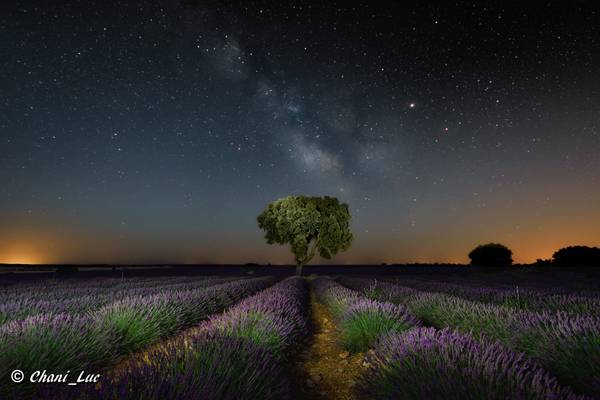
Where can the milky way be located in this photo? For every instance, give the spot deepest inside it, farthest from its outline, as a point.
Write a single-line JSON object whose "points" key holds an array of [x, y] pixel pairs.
{"points": [[157, 131]]}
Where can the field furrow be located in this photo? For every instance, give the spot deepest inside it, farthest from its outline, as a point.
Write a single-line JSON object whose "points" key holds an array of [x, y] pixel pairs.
{"points": [[313, 338], [243, 353], [83, 300], [326, 369], [566, 346], [64, 342], [586, 303]]}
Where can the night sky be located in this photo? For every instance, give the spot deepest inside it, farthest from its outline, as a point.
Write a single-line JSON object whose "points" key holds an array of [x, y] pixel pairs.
{"points": [[156, 131]]}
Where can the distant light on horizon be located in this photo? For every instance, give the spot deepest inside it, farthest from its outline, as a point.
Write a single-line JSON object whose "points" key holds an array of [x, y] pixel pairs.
{"points": [[22, 259]]}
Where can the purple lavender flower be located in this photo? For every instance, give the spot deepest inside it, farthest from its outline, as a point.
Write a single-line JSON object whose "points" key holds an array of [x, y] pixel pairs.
{"points": [[362, 321], [228, 359], [62, 342], [53, 342], [211, 366], [566, 345], [424, 363]]}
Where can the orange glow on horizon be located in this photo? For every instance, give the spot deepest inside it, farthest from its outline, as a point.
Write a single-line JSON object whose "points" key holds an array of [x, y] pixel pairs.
{"points": [[23, 252], [21, 259], [523, 252], [77, 247]]}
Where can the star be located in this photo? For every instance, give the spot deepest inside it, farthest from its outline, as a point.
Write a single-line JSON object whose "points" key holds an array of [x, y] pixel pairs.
{"points": [[238, 109]]}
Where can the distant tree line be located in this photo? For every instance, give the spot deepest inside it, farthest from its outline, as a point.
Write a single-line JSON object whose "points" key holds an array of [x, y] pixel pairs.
{"points": [[574, 256], [321, 225], [498, 255]]}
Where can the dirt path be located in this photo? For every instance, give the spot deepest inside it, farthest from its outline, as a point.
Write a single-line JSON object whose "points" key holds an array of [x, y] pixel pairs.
{"points": [[326, 370]]}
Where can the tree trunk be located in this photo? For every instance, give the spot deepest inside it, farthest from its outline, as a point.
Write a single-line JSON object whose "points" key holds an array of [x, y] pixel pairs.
{"points": [[307, 258]]}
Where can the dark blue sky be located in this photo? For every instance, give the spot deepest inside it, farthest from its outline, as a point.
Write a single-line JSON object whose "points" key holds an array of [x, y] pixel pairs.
{"points": [[157, 131]]}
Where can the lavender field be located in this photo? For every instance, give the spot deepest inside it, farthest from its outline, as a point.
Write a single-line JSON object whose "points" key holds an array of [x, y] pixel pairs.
{"points": [[318, 337]]}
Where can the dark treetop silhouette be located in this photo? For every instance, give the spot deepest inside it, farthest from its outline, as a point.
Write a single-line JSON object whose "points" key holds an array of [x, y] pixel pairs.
{"points": [[577, 256], [491, 254], [308, 224]]}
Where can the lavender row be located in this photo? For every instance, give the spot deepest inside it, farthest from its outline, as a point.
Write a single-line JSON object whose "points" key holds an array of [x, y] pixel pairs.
{"points": [[565, 345], [67, 289], [241, 354], [515, 297], [424, 363], [546, 284], [60, 301], [362, 321], [61, 342], [41, 288]]}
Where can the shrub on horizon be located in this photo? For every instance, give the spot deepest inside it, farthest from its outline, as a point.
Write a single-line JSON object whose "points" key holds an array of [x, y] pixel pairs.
{"points": [[491, 255], [577, 256]]}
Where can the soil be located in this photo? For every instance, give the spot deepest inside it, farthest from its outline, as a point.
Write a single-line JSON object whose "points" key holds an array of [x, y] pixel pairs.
{"points": [[325, 369]]}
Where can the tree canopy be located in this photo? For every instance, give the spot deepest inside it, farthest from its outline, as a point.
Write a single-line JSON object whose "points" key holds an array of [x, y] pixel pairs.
{"points": [[577, 256], [309, 225], [491, 254]]}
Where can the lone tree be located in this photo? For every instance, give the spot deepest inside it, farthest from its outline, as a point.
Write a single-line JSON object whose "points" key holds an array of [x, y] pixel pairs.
{"points": [[308, 224], [491, 255], [577, 256]]}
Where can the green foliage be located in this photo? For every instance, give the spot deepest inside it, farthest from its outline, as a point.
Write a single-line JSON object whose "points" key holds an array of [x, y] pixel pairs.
{"points": [[309, 225], [55, 343], [131, 329], [491, 254], [361, 330], [441, 311], [208, 366], [377, 292], [137, 321], [257, 327]]}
